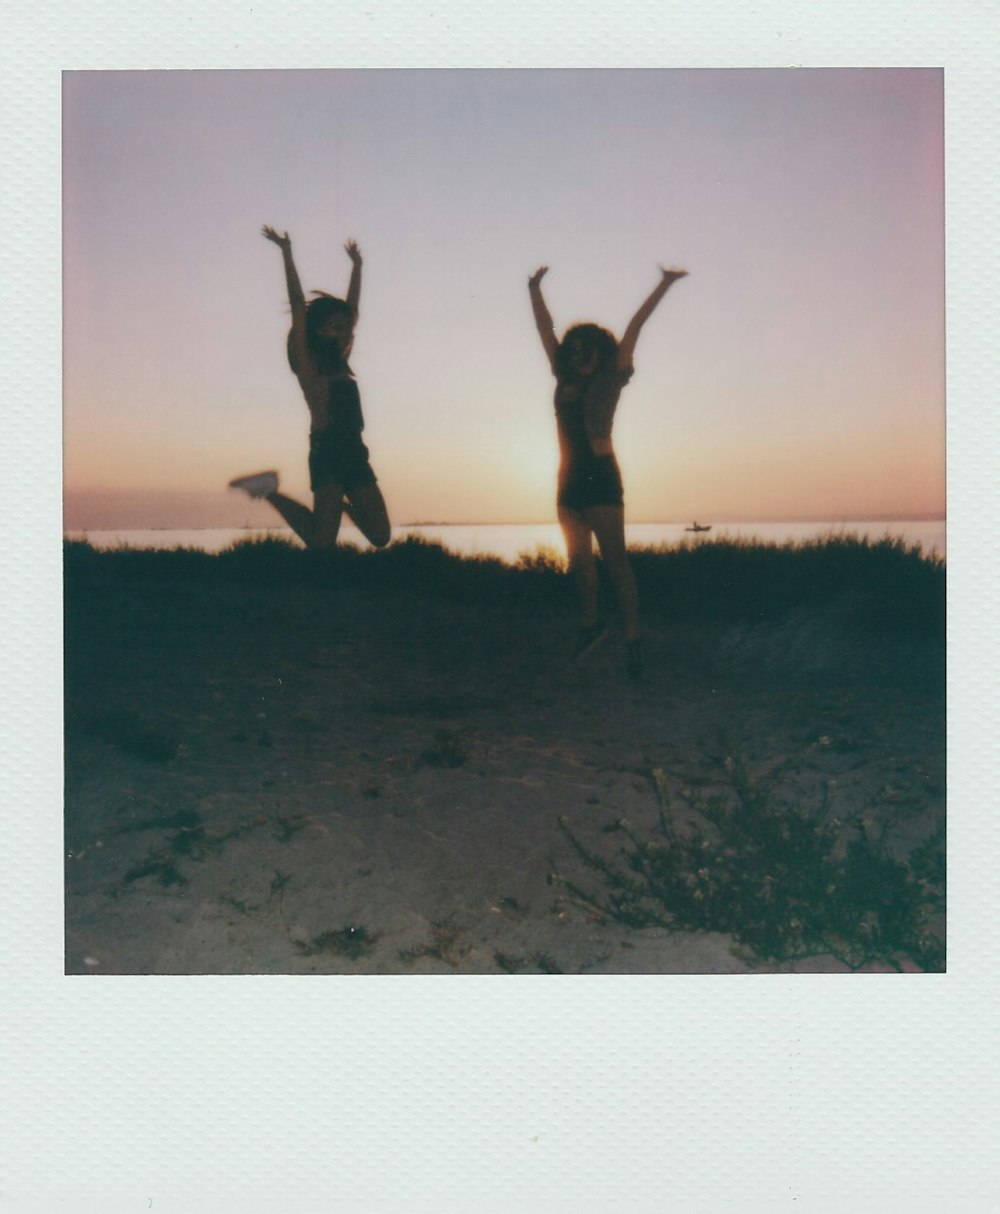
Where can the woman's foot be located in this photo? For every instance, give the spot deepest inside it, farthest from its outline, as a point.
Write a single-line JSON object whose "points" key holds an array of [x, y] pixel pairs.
{"points": [[257, 484], [589, 639], [633, 658]]}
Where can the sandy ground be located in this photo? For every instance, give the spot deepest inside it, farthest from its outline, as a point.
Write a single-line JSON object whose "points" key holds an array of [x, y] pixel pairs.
{"points": [[299, 781]]}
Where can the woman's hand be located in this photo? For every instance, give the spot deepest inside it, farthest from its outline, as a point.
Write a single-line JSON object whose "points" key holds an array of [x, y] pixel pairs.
{"points": [[283, 242], [671, 275], [538, 275], [353, 252], [626, 347]]}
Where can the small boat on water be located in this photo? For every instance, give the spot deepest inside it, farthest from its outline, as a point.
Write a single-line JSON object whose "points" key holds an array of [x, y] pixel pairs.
{"points": [[696, 526]]}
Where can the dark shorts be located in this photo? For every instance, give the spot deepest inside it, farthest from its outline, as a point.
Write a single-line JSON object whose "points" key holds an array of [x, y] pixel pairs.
{"points": [[590, 480], [338, 459]]}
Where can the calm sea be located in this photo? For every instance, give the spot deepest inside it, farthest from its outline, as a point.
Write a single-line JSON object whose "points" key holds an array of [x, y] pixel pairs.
{"points": [[509, 541]]}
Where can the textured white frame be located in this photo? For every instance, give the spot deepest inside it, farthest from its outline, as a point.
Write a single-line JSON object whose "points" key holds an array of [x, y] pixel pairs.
{"points": [[543, 1094]]}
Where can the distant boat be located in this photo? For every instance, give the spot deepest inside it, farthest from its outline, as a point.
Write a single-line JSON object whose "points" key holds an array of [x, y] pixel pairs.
{"points": [[696, 526]]}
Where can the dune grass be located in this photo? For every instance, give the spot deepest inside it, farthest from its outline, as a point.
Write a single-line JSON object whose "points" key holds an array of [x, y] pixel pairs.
{"points": [[888, 586], [788, 881], [891, 586]]}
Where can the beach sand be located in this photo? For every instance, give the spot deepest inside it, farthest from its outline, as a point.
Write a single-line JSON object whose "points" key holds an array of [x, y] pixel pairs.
{"points": [[338, 779]]}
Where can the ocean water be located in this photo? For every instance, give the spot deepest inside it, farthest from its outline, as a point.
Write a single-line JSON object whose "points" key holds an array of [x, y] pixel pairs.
{"points": [[510, 541]]}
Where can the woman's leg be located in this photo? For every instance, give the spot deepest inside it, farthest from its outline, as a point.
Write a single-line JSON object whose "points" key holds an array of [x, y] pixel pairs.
{"points": [[320, 527], [365, 507], [608, 524], [297, 516], [580, 553], [328, 508], [316, 528]]}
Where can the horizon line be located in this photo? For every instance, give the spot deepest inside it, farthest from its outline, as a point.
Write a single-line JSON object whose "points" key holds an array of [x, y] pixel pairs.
{"points": [[838, 520]]}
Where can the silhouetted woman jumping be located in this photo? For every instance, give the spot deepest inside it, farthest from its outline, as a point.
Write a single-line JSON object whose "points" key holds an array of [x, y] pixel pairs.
{"points": [[591, 368], [340, 476]]}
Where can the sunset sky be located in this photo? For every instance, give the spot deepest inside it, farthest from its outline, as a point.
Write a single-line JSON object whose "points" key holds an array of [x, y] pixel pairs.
{"points": [[797, 373]]}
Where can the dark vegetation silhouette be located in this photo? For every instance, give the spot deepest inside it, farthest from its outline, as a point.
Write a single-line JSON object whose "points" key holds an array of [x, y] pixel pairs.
{"points": [[741, 855], [883, 587]]}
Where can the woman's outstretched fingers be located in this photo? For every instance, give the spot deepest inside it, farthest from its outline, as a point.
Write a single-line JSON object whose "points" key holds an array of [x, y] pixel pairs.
{"points": [[270, 234], [353, 252]]}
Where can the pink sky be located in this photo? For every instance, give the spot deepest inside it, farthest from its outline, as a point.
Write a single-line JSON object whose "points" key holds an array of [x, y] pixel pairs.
{"points": [[798, 372]]}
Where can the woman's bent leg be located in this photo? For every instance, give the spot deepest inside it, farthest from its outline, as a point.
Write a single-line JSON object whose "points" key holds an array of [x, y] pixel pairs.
{"points": [[608, 523], [366, 509], [297, 516], [316, 528]]}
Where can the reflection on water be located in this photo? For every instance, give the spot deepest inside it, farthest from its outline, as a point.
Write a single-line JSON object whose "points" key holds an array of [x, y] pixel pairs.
{"points": [[509, 541]]}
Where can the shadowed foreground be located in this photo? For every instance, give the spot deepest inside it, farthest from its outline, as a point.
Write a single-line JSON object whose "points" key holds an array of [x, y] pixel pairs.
{"points": [[280, 761]]}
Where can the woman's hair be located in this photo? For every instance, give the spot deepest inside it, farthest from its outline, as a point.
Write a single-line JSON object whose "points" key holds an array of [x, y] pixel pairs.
{"points": [[318, 312], [591, 337]]}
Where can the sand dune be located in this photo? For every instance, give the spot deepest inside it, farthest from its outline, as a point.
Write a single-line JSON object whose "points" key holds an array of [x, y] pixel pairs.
{"points": [[328, 777]]}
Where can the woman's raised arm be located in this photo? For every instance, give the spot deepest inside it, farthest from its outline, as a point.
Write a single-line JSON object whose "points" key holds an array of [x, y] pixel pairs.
{"points": [[295, 294], [296, 297], [626, 347], [543, 321], [354, 289]]}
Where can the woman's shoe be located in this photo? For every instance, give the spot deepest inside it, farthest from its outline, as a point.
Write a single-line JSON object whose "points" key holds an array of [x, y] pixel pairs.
{"points": [[258, 484]]}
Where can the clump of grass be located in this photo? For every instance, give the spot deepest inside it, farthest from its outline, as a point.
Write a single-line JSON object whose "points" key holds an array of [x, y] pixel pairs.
{"points": [[351, 942], [194, 838], [161, 867], [287, 828], [194, 841], [191, 838], [278, 883], [444, 945], [516, 964], [786, 881], [543, 560]]}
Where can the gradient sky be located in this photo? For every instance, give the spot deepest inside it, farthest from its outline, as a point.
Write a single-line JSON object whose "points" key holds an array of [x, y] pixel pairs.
{"points": [[798, 372]]}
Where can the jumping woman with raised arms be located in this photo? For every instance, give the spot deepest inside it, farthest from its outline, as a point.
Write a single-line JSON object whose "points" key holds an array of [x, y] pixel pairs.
{"points": [[340, 475], [591, 368]]}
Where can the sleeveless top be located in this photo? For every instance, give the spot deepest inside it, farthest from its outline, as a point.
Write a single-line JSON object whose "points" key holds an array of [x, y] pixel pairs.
{"points": [[344, 418]]}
